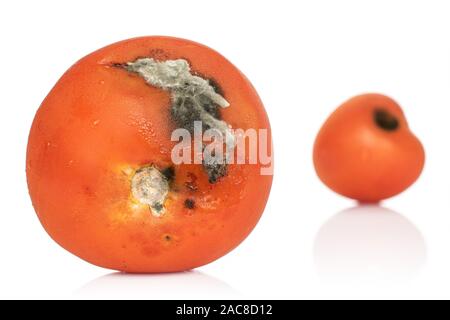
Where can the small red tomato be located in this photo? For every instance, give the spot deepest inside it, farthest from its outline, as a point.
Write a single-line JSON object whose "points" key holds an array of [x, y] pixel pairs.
{"points": [[366, 151], [101, 172]]}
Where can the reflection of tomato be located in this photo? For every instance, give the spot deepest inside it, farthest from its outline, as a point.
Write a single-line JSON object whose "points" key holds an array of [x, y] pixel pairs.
{"points": [[102, 126], [366, 151]]}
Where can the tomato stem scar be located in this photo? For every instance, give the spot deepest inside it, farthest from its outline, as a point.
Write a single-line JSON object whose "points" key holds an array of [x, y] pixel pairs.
{"points": [[385, 120]]}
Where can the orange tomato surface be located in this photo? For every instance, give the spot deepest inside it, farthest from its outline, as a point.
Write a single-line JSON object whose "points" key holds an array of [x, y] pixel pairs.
{"points": [[100, 124], [366, 151]]}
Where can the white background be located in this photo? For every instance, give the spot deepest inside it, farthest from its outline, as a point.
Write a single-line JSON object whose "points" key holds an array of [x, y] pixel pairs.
{"points": [[304, 58]]}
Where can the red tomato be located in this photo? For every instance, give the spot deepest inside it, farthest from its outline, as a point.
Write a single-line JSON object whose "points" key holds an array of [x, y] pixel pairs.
{"points": [[99, 165], [366, 151]]}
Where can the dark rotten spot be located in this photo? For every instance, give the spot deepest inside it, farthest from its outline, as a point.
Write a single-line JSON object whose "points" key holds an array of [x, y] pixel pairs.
{"points": [[189, 203], [169, 173]]}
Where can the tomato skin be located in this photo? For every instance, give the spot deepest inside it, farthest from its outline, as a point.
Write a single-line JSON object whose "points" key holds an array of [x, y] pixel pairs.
{"points": [[99, 124], [358, 159]]}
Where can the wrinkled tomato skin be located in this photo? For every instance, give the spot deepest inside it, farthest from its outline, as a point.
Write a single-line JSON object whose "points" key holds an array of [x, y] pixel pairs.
{"points": [[99, 124], [358, 159]]}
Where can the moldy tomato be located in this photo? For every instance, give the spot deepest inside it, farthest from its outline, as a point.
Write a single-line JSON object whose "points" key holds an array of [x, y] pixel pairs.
{"points": [[99, 165], [366, 151]]}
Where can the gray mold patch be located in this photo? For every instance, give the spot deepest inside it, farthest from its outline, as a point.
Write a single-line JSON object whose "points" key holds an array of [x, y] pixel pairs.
{"points": [[175, 75], [193, 99]]}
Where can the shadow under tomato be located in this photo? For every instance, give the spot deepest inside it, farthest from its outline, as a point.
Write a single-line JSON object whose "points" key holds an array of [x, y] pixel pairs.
{"points": [[181, 285], [371, 243]]}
